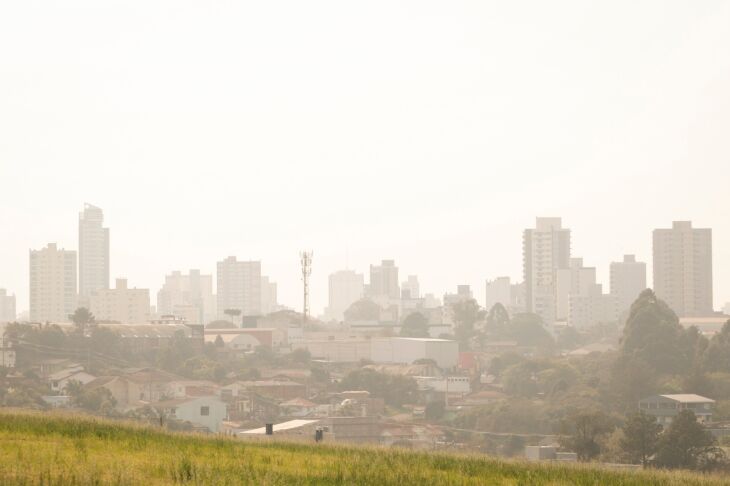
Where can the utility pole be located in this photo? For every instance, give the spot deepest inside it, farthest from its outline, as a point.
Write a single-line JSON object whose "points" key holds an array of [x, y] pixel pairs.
{"points": [[306, 260]]}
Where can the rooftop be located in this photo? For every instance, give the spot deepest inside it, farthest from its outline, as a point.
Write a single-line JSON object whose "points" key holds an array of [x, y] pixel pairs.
{"points": [[689, 398], [292, 424]]}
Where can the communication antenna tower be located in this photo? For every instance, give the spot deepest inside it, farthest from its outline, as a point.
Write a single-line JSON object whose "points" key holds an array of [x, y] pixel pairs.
{"points": [[306, 259]]}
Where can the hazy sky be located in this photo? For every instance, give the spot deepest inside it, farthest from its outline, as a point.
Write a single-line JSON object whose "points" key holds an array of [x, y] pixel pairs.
{"points": [[428, 132]]}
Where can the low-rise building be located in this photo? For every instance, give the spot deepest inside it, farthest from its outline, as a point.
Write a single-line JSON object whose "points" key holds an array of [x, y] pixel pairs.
{"points": [[298, 407], [60, 379], [191, 388], [666, 407], [280, 389], [337, 350], [208, 412], [121, 304], [407, 350], [136, 386]]}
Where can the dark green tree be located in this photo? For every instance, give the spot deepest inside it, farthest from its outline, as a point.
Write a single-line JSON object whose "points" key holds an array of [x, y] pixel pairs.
{"points": [[641, 436], [82, 319], [581, 433], [394, 390], [415, 325], [497, 319], [528, 330], [685, 444], [653, 334], [717, 354], [363, 310]]}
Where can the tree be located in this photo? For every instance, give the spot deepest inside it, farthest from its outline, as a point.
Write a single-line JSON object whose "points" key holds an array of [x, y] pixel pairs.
{"points": [[641, 436], [394, 390], [497, 319], [686, 444], [654, 335], [82, 318], [363, 310], [415, 325], [466, 314], [717, 354], [435, 410], [232, 313], [527, 329], [583, 431]]}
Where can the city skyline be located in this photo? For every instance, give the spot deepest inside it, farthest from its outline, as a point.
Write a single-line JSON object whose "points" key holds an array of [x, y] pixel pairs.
{"points": [[478, 289]]}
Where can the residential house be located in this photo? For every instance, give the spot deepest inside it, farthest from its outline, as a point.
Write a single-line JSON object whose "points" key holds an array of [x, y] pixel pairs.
{"points": [[136, 386], [208, 412], [60, 379], [280, 389], [298, 407], [666, 407], [191, 388]]}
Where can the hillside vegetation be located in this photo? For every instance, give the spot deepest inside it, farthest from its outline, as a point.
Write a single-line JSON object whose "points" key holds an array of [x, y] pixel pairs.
{"points": [[55, 449]]}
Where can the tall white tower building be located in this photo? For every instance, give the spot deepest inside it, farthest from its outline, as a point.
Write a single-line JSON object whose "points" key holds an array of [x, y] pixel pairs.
{"points": [[384, 287], [546, 249], [239, 286], [628, 280], [683, 268], [345, 288], [93, 251]]}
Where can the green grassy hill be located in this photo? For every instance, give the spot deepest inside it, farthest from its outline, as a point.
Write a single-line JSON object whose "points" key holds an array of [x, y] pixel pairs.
{"points": [[54, 449]]}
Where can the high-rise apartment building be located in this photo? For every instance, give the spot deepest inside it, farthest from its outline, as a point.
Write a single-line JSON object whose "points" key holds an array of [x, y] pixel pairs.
{"points": [[574, 280], [463, 293], [121, 304], [498, 291], [345, 288], [384, 288], [410, 289], [52, 284], [628, 280], [546, 249], [93, 251], [239, 286], [683, 268], [269, 290], [579, 300], [191, 295], [7, 307]]}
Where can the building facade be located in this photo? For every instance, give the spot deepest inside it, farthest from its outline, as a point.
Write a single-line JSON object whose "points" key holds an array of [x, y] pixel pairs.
{"points": [[683, 268], [546, 249], [7, 307], [384, 287], [269, 298], [410, 289], [121, 304], [239, 286], [52, 284], [498, 291], [628, 280], [191, 295], [345, 288], [93, 251]]}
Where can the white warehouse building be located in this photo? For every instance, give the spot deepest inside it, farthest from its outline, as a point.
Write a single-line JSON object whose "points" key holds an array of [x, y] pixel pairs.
{"points": [[407, 350]]}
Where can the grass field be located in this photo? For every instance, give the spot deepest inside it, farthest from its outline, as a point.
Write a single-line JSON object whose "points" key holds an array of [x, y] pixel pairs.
{"points": [[55, 449]]}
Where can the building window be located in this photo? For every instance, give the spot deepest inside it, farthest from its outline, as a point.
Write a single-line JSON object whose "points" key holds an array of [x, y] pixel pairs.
{"points": [[204, 411]]}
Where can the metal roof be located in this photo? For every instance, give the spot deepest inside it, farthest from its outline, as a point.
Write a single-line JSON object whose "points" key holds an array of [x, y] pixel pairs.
{"points": [[292, 424]]}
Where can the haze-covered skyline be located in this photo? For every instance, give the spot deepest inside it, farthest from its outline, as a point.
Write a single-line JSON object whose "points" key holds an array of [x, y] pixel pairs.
{"points": [[425, 133]]}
